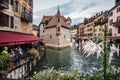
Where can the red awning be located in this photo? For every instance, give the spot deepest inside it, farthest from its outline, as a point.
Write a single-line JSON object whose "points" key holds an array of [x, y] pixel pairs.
{"points": [[9, 38]]}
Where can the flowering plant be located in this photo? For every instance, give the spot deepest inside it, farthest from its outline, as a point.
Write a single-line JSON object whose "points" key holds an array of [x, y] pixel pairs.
{"points": [[5, 62], [33, 52]]}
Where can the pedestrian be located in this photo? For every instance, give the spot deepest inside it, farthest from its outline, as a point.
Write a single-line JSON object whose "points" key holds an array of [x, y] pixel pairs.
{"points": [[20, 52]]}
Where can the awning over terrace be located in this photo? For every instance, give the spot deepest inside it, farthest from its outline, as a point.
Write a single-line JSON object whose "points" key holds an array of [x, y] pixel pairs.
{"points": [[12, 38]]}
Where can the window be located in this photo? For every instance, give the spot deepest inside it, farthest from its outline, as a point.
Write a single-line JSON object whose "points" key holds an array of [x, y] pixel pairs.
{"points": [[16, 28], [118, 18], [58, 19], [11, 2], [111, 13], [50, 36], [111, 22], [43, 25], [31, 3], [119, 30], [17, 6], [12, 22], [24, 27], [16, 23], [100, 29], [110, 30], [59, 29], [43, 31], [64, 36], [118, 9], [4, 20], [117, 2]]}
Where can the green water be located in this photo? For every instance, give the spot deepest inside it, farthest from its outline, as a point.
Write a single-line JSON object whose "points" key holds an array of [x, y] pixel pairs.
{"points": [[69, 59]]}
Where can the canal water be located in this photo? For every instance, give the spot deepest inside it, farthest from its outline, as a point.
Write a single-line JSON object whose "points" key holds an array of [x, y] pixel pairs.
{"points": [[69, 59]]}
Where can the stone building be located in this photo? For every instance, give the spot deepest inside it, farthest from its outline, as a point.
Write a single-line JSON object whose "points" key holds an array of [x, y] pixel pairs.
{"points": [[55, 30]]}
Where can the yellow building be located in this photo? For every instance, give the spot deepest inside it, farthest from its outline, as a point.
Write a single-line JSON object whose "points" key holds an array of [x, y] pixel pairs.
{"points": [[94, 26], [16, 15], [88, 28], [99, 25]]}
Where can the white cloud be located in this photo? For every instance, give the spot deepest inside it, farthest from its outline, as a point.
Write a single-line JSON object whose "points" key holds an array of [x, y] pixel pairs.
{"points": [[74, 8], [44, 4]]}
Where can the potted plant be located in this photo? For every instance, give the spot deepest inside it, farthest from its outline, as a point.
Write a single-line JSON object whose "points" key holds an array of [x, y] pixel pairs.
{"points": [[5, 62], [33, 52]]}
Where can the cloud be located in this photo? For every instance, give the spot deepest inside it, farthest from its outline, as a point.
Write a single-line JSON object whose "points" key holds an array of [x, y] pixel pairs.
{"points": [[76, 9]]}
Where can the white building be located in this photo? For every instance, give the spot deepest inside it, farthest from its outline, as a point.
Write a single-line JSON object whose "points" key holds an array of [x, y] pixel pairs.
{"points": [[114, 21], [55, 30]]}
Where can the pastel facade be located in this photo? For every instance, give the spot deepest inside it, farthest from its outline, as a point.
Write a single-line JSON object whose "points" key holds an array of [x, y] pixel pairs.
{"points": [[93, 27], [80, 31], [16, 15], [114, 20]]}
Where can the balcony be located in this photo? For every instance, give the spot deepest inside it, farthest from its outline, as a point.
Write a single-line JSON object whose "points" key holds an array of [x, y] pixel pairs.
{"points": [[4, 4], [104, 21], [26, 17], [116, 24]]}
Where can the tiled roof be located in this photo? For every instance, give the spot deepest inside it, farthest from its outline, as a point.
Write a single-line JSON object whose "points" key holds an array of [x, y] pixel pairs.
{"points": [[63, 18], [45, 18], [53, 22]]}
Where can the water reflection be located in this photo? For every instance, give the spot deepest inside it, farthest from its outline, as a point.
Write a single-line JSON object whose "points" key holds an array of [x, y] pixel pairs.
{"points": [[70, 59]]}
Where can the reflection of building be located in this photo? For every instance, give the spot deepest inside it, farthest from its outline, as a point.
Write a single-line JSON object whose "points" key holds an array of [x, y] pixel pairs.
{"points": [[55, 30], [16, 15], [35, 30], [114, 21]]}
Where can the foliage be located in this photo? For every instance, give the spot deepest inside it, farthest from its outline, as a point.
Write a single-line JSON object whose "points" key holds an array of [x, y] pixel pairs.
{"points": [[33, 52], [5, 61], [105, 56], [52, 74], [47, 21], [42, 48]]}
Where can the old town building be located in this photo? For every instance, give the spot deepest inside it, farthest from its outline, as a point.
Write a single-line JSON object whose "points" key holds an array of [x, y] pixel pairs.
{"points": [[16, 15], [55, 30], [114, 21]]}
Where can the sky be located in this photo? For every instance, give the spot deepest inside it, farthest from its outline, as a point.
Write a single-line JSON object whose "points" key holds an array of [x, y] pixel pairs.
{"points": [[77, 10]]}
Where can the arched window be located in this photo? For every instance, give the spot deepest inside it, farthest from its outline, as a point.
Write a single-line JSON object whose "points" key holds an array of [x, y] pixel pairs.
{"points": [[58, 20], [59, 29]]}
